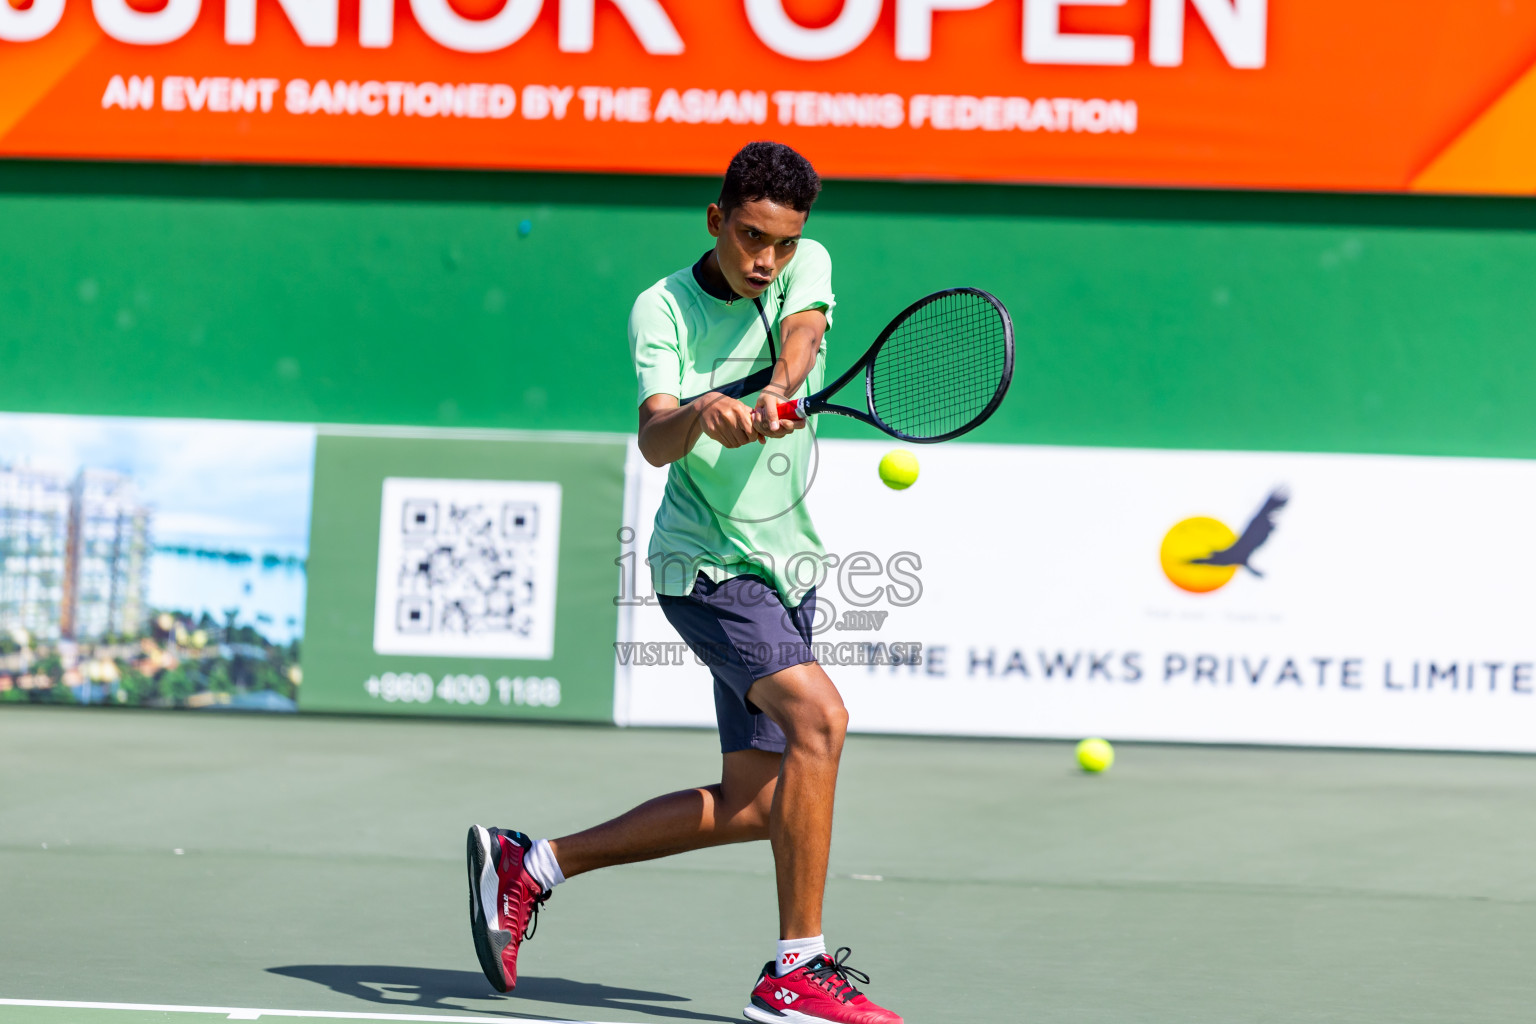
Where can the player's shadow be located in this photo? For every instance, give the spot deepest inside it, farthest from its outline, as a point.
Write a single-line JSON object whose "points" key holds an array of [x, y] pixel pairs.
{"points": [[427, 988]]}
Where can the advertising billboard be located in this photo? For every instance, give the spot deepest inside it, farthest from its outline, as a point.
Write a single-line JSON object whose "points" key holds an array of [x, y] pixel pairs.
{"points": [[221, 565], [1304, 94], [1188, 596], [1156, 594]]}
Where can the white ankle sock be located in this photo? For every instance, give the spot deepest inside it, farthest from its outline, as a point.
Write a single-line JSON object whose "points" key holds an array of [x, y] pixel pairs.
{"points": [[794, 953], [541, 864]]}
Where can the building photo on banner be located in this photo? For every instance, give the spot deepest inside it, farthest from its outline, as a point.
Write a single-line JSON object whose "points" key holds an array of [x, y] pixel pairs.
{"points": [[153, 562], [804, 511]]}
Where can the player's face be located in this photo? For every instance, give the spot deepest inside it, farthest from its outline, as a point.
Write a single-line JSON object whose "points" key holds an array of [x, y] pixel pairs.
{"points": [[756, 241]]}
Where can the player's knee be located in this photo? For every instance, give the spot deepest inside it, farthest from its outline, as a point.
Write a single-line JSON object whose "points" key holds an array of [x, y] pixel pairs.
{"points": [[754, 817], [819, 727], [837, 721], [750, 817]]}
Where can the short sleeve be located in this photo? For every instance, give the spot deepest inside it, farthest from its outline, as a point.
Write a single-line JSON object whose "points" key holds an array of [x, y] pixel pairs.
{"points": [[809, 284], [655, 345]]}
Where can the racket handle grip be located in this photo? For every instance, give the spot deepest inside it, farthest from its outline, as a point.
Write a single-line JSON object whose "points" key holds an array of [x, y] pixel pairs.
{"points": [[792, 410]]}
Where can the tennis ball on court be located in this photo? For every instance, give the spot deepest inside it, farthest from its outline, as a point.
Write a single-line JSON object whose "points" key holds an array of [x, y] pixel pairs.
{"points": [[898, 469], [1095, 755]]}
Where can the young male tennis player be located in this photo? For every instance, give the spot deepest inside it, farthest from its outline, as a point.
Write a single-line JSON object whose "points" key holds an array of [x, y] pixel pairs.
{"points": [[731, 514]]}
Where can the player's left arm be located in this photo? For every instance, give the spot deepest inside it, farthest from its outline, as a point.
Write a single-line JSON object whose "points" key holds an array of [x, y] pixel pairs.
{"points": [[801, 335]]}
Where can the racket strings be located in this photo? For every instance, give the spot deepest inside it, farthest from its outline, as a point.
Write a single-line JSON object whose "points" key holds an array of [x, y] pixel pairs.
{"points": [[941, 367]]}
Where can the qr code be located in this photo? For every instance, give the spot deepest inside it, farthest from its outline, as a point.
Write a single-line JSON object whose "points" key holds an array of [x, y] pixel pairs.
{"points": [[467, 568]]}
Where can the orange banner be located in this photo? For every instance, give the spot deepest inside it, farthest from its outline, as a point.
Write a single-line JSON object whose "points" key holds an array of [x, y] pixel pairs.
{"points": [[1379, 95]]}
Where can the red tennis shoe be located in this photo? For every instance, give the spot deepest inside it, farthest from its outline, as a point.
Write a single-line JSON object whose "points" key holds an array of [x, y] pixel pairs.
{"points": [[504, 900], [819, 991]]}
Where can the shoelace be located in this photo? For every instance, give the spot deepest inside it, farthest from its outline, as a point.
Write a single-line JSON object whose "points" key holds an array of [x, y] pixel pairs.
{"points": [[533, 918], [836, 967]]}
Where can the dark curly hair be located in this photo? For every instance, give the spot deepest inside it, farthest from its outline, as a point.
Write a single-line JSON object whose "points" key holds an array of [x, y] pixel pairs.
{"points": [[772, 171]]}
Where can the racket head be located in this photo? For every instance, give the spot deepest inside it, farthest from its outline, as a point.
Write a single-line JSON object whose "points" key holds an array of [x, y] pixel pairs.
{"points": [[941, 367]]}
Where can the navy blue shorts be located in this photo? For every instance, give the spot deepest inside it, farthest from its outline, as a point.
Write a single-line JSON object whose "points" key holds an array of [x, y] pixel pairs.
{"points": [[742, 632]]}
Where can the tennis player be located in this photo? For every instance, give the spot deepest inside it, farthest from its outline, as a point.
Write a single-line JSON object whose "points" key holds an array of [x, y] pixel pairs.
{"points": [[730, 526]]}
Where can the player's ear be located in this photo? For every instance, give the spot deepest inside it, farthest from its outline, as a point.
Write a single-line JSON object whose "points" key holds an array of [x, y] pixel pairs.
{"points": [[715, 218]]}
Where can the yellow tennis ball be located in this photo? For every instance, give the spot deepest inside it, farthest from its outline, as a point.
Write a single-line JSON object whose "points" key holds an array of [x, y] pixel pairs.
{"points": [[1095, 755], [898, 469]]}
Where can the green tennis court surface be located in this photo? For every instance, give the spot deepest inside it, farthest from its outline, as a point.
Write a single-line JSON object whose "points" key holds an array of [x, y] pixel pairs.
{"points": [[194, 867]]}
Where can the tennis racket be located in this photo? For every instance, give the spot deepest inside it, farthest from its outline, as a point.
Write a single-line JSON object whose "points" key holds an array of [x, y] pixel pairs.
{"points": [[938, 370]]}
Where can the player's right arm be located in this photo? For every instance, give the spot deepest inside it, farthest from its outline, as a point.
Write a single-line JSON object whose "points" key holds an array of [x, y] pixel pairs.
{"points": [[668, 431]]}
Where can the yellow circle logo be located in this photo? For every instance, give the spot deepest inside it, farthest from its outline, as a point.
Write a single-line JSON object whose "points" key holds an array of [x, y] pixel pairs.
{"points": [[1193, 539]]}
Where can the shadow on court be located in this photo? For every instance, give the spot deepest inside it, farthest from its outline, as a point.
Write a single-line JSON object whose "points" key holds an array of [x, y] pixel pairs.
{"points": [[427, 988]]}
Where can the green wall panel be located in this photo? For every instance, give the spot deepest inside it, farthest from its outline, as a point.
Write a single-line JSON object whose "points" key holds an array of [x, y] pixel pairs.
{"points": [[339, 655], [1177, 319]]}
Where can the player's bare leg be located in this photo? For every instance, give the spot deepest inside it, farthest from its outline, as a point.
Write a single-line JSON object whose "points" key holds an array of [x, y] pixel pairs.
{"points": [[787, 800], [736, 810], [804, 982], [510, 875], [805, 704]]}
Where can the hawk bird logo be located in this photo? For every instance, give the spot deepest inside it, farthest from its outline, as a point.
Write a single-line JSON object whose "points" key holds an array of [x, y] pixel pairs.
{"points": [[1254, 535], [1202, 554]]}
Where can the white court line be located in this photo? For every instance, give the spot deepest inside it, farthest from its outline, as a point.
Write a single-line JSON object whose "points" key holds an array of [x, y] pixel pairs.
{"points": [[249, 1013]]}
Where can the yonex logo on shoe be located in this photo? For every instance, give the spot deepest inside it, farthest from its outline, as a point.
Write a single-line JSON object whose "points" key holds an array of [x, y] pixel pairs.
{"points": [[785, 996]]}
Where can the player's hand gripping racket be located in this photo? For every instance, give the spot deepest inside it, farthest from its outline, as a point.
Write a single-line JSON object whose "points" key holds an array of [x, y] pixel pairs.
{"points": [[938, 370]]}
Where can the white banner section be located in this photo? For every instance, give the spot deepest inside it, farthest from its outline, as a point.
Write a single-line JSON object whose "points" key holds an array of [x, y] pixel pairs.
{"points": [[1231, 597]]}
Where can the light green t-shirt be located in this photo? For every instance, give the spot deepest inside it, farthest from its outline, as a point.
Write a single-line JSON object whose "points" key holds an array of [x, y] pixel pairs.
{"points": [[730, 512]]}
